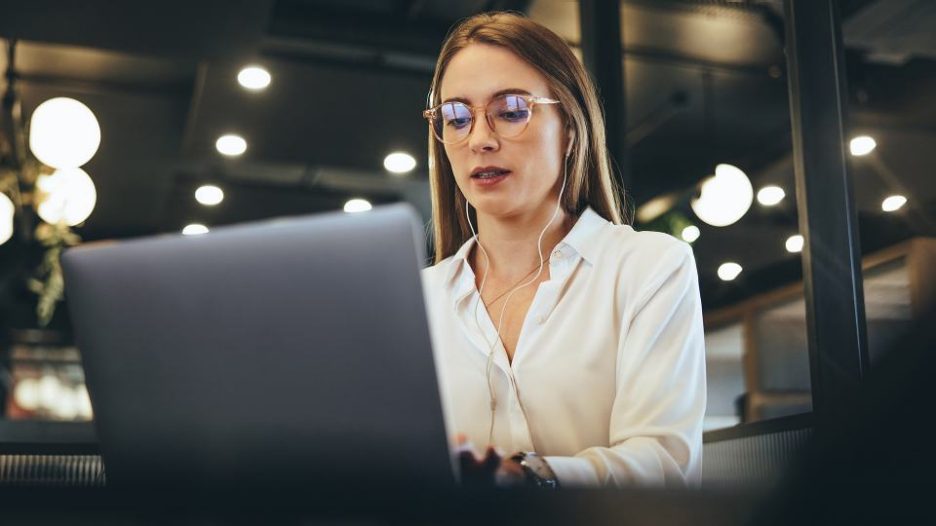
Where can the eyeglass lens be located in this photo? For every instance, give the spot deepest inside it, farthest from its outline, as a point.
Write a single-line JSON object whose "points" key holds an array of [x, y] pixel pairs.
{"points": [[508, 116]]}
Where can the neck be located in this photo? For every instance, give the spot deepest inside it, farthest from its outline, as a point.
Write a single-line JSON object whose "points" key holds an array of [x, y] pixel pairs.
{"points": [[511, 241]]}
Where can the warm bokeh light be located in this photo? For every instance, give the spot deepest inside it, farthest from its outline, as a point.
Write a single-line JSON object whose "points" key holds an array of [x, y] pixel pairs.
{"points": [[770, 195], [725, 197], [729, 271], [399, 163], [794, 244], [231, 145], [65, 196], [209, 195], [64, 133], [7, 210], [357, 205], [690, 233], [893, 203], [195, 229], [862, 145], [254, 78]]}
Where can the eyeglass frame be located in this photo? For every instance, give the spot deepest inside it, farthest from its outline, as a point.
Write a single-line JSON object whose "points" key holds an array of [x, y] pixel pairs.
{"points": [[532, 102]]}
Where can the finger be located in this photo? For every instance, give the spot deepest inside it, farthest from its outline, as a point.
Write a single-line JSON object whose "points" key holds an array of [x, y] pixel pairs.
{"points": [[491, 459], [467, 448]]}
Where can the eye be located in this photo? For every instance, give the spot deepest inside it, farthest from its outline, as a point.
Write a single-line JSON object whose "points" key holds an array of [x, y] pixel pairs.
{"points": [[514, 115], [458, 122], [511, 108], [456, 115]]}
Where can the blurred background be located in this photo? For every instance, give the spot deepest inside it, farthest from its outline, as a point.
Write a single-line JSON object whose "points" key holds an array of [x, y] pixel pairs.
{"points": [[181, 117]]}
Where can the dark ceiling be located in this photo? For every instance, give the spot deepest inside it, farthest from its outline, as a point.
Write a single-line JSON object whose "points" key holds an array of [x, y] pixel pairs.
{"points": [[705, 84]]}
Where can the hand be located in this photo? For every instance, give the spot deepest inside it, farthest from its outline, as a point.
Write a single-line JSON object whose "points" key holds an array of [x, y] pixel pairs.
{"points": [[490, 470]]}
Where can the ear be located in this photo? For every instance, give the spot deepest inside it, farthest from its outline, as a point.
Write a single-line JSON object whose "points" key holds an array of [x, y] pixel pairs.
{"points": [[571, 139]]}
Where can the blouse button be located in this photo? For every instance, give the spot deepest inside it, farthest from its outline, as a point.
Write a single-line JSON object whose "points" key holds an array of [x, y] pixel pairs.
{"points": [[541, 319]]}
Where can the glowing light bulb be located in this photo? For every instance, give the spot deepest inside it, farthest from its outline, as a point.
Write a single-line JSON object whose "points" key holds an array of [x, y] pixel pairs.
{"points": [[231, 145], [893, 203], [862, 145], [770, 195], [194, 229], [209, 195], [399, 163], [68, 195], [690, 233], [794, 244], [64, 133], [725, 197], [729, 271], [357, 205], [254, 78]]}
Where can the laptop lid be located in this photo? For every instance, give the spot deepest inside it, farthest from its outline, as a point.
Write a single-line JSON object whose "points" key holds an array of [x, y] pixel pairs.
{"points": [[292, 352]]}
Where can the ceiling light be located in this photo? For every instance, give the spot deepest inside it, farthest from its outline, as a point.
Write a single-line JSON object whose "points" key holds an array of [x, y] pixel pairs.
{"points": [[770, 195], [357, 205], [729, 271], [725, 197], [893, 203], [64, 133], [7, 209], [195, 229], [399, 162], [862, 145], [209, 195], [254, 78], [690, 233], [794, 244], [231, 145], [65, 196]]}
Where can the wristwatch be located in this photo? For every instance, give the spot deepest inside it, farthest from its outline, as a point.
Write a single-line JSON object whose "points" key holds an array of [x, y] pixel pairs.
{"points": [[536, 469]]}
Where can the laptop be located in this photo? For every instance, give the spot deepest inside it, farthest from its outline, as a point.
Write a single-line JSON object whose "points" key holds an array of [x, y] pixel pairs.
{"points": [[292, 353]]}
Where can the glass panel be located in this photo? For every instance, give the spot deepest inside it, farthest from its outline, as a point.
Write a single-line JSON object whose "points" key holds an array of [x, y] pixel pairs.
{"points": [[725, 370]]}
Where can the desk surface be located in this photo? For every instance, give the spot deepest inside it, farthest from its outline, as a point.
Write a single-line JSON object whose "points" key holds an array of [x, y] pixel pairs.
{"points": [[597, 507]]}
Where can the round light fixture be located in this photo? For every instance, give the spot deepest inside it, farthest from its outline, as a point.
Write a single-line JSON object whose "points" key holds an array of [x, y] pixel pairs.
{"points": [[770, 195], [194, 229], [209, 195], [725, 197], [254, 78], [399, 163], [7, 210], [729, 271], [690, 233], [893, 203], [67, 196], [357, 205], [862, 145], [794, 244], [231, 145], [64, 133]]}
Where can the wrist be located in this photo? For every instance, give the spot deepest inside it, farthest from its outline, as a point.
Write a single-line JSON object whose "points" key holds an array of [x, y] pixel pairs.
{"points": [[536, 470]]}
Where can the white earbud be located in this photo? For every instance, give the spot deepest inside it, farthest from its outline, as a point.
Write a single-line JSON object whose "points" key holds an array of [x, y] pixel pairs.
{"points": [[490, 358]]}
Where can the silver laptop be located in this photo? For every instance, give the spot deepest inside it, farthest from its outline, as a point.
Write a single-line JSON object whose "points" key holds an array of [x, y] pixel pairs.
{"points": [[288, 353]]}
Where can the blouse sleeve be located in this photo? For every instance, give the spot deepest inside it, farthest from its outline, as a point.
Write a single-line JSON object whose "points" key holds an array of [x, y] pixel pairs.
{"points": [[656, 418]]}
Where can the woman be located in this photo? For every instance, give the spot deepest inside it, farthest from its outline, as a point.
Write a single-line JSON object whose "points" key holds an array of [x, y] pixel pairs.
{"points": [[562, 337]]}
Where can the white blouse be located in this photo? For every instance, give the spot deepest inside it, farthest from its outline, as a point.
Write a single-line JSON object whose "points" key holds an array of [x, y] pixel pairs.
{"points": [[608, 377]]}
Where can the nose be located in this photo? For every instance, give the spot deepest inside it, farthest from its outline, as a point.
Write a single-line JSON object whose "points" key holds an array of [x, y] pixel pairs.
{"points": [[482, 138]]}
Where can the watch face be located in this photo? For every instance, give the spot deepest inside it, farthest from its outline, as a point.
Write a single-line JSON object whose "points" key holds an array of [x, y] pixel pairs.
{"points": [[538, 471]]}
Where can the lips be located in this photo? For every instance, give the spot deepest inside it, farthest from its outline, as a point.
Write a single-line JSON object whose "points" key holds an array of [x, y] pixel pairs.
{"points": [[488, 172]]}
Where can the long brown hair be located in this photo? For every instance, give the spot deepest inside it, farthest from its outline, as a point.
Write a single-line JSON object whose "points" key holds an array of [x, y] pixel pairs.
{"points": [[590, 181]]}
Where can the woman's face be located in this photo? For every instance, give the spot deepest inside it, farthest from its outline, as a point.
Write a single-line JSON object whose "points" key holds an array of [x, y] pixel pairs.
{"points": [[533, 159]]}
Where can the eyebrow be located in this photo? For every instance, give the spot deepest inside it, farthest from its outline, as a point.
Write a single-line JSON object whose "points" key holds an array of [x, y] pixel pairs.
{"points": [[512, 91]]}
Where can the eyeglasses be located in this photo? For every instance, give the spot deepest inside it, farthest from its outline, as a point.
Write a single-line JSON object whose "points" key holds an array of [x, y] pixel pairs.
{"points": [[507, 115]]}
